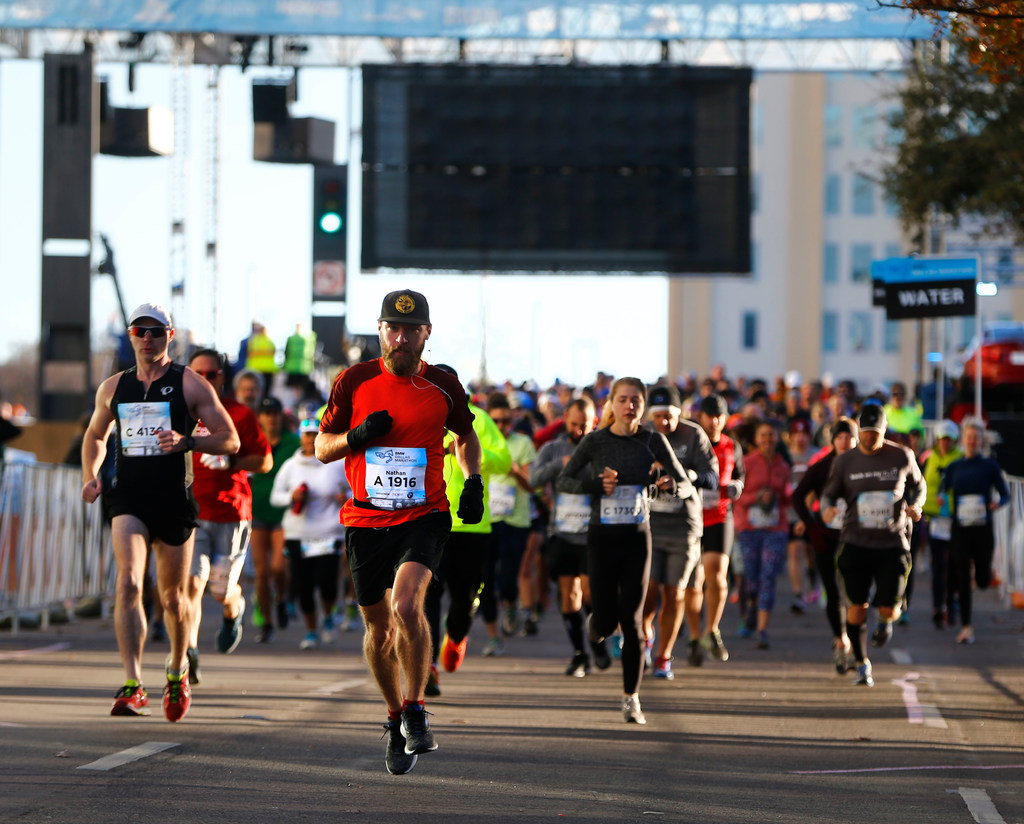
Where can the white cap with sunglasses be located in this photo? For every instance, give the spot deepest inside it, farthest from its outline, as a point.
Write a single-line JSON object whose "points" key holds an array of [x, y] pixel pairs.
{"points": [[151, 310]]}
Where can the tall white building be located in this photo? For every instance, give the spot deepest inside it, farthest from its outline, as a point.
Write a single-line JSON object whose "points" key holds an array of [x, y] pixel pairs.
{"points": [[819, 219]]}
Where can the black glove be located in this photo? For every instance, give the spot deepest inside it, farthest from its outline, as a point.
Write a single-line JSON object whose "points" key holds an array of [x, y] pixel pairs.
{"points": [[374, 426], [471, 502]]}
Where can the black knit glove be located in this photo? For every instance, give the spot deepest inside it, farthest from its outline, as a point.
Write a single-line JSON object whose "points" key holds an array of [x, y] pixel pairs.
{"points": [[376, 425], [471, 502]]}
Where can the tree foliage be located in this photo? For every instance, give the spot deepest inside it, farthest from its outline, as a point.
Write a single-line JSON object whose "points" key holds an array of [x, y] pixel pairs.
{"points": [[961, 147], [992, 33]]}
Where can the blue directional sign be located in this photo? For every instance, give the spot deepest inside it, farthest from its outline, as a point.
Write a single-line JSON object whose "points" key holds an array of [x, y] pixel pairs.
{"points": [[925, 287]]}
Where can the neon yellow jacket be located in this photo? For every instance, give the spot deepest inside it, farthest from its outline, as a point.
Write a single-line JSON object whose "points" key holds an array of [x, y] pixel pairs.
{"points": [[933, 476], [494, 460]]}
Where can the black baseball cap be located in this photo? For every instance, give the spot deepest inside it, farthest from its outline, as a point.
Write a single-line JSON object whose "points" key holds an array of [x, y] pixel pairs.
{"points": [[663, 396], [270, 406], [872, 418], [405, 306], [714, 405]]}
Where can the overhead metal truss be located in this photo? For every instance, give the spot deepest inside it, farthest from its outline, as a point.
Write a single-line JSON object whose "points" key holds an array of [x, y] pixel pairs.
{"points": [[842, 54], [765, 34]]}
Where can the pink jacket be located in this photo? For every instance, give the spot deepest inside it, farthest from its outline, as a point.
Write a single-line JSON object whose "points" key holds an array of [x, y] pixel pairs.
{"points": [[760, 474]]}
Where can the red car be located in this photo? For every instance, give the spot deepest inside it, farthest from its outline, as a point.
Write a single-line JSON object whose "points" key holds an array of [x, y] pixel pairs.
{"points": [[1002, 355]]}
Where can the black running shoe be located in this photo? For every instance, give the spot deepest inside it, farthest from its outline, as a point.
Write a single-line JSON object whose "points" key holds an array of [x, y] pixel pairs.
{"points": [[282, 615], [418, 736], [695, 655], [883, 632], [579, 666], [398, 761], [602, 660]]}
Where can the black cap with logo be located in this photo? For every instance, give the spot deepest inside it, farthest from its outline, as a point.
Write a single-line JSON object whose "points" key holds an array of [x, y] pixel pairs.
{"points": [[663, 396], [872, 418], [405, 306]]}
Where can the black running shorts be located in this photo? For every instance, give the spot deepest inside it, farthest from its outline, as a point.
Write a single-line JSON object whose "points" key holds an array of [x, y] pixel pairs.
{"points": [[375, 554]]}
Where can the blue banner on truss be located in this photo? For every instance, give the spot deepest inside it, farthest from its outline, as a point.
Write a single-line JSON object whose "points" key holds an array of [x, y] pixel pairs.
{"points": [[528, 19]]}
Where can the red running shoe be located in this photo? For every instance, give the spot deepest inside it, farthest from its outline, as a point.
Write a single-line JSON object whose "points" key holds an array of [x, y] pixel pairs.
{"points": [[452, 654], [177, 697], [130, 701]]}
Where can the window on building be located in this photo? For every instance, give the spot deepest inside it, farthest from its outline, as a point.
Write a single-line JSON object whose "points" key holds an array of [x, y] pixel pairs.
{"points": [[863, 195], [755, 192], [861, 255], [750, 330], [893, 250], [892, 336], [893, 135], [830, 332], [860, 332], [830, 264], [968, 329], [757, 126], [863, 126], [833, 126], [832, 190], [755, 260]]}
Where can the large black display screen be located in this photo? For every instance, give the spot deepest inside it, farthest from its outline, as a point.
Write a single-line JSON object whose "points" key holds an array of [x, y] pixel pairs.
{"points": [[556, 168]]}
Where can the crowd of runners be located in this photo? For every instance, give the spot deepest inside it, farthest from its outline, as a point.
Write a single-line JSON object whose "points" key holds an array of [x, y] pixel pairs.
{"points": [[632, 509]]}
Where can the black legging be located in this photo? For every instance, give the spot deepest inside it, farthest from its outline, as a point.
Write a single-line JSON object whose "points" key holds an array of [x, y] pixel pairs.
{"points": [[825, 542], [462, 569], [310, 574], [966, 544], [619, 565]]}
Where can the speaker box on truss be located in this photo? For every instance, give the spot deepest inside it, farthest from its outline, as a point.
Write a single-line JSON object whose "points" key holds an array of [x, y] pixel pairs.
{"points": [[271, 100], [135, 132], [297, 140]]}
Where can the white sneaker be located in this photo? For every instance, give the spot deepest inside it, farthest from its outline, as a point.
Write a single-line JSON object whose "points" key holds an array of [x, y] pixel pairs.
{"points": [[309, 642], [631, 711], [494, 646]]}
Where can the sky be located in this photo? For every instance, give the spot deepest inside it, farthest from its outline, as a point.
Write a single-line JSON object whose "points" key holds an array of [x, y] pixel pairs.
{"points": [[533, 327]]}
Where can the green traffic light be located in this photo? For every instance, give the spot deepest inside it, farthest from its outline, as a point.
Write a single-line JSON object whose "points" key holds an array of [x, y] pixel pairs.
{"points": [[330, 222]]}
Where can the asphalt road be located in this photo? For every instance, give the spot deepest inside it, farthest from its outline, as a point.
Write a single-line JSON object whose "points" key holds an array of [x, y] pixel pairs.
{"points": [[280, 735]]}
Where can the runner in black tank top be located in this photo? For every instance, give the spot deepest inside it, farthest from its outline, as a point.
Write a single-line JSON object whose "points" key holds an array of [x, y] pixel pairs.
{"points": [[154, 407]]}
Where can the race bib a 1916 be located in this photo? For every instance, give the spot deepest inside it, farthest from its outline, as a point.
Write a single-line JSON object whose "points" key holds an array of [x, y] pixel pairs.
{"points": [[140, 423], [396, 477]]}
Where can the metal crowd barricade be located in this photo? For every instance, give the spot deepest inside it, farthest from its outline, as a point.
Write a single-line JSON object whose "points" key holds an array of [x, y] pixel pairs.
{"points": [[1009, 533], [54, 548]]}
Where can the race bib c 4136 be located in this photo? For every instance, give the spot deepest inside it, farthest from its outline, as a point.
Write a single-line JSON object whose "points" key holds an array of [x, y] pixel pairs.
{"points": [[140, 423], [396, 477]]}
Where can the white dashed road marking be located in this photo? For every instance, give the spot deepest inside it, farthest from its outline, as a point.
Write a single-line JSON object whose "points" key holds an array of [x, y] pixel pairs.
{"points": [[109, 762], [25, 653], [340, 686], [917, 713], [980, 806]]}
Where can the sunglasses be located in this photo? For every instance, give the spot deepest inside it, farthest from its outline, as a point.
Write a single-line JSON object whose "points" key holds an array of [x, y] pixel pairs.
{"points": [[210, 375], [154, 331], [501, 419]]}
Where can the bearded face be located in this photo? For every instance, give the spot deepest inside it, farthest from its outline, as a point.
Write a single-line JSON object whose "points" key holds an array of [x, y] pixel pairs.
{"points": [[401, 346]]}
